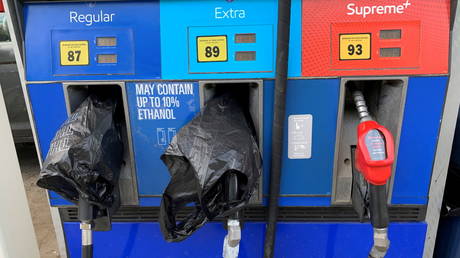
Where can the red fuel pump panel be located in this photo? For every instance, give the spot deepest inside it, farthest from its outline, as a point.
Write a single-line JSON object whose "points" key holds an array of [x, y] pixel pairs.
{"points": [[374, 152], [2, 9], [375, 37]]}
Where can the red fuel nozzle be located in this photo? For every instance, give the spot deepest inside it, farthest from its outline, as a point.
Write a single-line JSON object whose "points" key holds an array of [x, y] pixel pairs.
{"points": [[374, 152], [374, 159]]}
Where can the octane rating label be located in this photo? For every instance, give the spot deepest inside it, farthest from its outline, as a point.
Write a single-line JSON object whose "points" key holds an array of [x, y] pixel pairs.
{"points": [[355, 46], [74, 52], [212, 48]]}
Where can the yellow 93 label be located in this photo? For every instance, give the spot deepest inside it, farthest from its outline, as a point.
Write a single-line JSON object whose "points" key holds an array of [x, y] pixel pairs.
{"points": [[355, 46], [74, 52], [212, 48]]}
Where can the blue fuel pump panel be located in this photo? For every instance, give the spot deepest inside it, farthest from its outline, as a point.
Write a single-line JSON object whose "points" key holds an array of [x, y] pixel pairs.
{"points": [[223, 39], [157, 111], [89, 41]]}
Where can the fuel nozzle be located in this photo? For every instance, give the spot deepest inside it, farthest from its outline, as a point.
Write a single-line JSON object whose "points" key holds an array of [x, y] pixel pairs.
{"points": [[232, 239], [374, 160]]}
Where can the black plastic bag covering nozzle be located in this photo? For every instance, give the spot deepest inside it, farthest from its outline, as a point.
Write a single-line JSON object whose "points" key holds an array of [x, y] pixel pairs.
{"points": [[215, 144], [85, 155]]}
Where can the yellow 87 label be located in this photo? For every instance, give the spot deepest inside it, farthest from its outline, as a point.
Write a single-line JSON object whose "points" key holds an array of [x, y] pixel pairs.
{"points": [[212, 48], [355, 46], [74, 52]]}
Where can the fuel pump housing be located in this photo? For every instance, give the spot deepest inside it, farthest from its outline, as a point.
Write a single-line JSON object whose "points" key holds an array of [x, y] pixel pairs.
{"points": [[165, 59]]}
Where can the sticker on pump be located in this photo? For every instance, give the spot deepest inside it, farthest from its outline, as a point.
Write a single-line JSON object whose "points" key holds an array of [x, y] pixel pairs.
{"points": [[212, 48], [355, 46], [300, 129], [75, 52]]}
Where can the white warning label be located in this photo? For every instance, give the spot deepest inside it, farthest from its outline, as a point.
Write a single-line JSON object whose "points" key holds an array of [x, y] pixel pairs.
{"points": [[159, 101], [300, 136]]}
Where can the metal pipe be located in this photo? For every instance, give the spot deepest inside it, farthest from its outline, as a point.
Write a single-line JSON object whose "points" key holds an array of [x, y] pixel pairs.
{"points": [[282, 55], [232, 239], [86, 216], [86, 240]]}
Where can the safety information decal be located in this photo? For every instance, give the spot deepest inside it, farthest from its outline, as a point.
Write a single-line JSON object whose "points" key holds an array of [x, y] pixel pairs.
{"points": [[74, 52], [212, 48], [300, 136], [158, 101], [157, 112], [355, 46]]}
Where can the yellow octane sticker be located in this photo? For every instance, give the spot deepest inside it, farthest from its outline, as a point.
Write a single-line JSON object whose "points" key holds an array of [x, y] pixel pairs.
{"points": [[212, 48], [355, 46], [74, 52]]}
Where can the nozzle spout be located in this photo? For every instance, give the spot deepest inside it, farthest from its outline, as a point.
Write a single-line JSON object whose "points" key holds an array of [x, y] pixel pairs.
{"points": [[361, 106]]}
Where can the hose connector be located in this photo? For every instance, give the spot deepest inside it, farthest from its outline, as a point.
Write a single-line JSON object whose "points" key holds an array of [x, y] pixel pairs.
{"points": [[86, 233], [232, 239], [381, 243], [86, 239]]}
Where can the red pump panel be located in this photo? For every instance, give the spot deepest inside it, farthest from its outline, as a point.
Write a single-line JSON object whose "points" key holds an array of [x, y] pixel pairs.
{"points": [[2, 9], [375, 37]]}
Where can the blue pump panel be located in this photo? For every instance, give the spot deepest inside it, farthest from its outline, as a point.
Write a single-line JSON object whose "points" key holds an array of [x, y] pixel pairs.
{"points": [[49, 112], [132, 52], [328, 240], [419, 137], [183, 22], [262, 48], [311, 177], [157, 111]]}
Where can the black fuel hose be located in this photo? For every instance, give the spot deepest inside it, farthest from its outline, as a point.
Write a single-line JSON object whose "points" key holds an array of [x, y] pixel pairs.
{"points": [[282, 56], [378, 206], [86, 217], [87, 251]]}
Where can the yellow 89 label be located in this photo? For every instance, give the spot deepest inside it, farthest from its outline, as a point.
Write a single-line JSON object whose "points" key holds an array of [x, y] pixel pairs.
{"points": [[212, 48], [74, 52], [355, 46]]}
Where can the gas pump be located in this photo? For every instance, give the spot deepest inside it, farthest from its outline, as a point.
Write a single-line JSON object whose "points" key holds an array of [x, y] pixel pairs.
{"points": [[165, 65], [164, 70], [374, 159]]}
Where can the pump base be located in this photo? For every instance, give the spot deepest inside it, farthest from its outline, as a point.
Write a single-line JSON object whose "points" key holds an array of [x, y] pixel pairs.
{"points": [[293, 240]]}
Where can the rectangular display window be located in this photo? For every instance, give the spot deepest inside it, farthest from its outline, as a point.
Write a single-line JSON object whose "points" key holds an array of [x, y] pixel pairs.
{"points": [[245, 56], [390, 52], [390, 34], [107, 59], [245, 38], [106, 42]]}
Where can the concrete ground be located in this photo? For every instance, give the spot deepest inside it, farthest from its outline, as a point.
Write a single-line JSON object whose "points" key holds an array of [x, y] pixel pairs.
{"points": [[38, 202]]}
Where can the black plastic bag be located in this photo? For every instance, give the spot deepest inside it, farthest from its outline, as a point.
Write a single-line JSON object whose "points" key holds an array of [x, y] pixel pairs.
{"points": [[85, 155], [216, 143]]}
